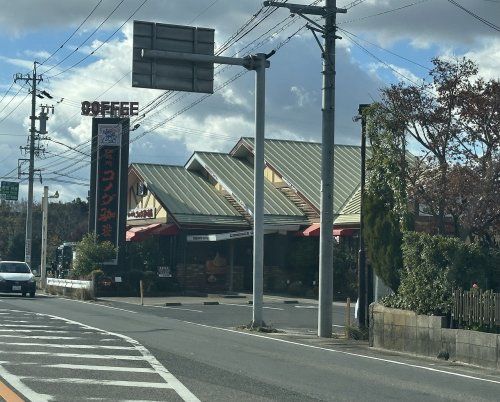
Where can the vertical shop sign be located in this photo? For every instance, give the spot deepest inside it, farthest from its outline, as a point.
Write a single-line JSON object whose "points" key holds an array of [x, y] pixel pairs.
{"points": [[110, 142]]}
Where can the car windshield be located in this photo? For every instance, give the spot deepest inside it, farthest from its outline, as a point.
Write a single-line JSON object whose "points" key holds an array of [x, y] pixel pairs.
{"points": [[14, 268]]}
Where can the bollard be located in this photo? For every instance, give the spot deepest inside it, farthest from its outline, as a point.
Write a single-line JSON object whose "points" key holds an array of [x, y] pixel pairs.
{"points": [[141, 288], [347, 317]]}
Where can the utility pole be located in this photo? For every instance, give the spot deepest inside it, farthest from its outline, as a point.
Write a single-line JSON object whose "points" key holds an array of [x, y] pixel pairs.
{"points": [[45, 217], [328, 31], [362, 272], [33, 80]]}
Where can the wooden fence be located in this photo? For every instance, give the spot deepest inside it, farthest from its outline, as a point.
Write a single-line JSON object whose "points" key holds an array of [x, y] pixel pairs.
{"points": [[476, 307]]}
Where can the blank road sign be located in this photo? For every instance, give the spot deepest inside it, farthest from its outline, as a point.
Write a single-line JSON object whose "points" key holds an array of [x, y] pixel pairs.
{"points": [[172, 74]]}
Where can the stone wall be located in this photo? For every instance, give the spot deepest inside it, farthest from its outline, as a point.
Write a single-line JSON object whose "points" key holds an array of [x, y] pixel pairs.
{"points": [[406, 331]]}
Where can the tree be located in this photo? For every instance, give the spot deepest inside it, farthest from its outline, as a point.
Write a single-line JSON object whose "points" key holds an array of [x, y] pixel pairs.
{"points": [[430, 114], [90, 254]]}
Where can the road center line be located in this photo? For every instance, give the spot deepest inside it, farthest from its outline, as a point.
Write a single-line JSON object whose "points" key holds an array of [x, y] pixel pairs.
{"points": [[470, 377], [98, 304]]}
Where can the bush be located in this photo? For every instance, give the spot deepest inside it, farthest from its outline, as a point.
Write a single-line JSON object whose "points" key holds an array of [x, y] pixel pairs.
{"points": [[433, 266], [90, 254]]}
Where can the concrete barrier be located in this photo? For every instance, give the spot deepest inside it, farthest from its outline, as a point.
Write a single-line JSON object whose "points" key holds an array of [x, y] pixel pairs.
{"points": [[423, 335]]}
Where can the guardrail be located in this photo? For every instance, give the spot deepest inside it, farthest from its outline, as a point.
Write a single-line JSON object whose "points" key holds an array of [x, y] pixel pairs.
{"points": [[69, 283], [476, 307]]}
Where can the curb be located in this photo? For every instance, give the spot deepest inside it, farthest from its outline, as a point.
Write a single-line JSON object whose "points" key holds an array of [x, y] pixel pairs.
{"points": [[173, 304], [210, 303], [291, 301]]}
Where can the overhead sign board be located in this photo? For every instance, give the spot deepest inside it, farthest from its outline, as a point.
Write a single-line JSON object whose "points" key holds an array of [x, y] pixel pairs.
{"points": [[173, 75], [9, 191]]}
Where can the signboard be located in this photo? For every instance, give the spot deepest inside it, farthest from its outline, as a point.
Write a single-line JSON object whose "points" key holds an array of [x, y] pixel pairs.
{"points": [[114, 109], [141, 213], [164, 272], [174, 75], [109, 181], [9, 191], [220, 236]]}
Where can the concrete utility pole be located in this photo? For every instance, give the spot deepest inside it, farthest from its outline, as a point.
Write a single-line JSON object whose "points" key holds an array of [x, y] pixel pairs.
{"points": [[45, 218], [33, 80], [328, 31], [362, 273]]}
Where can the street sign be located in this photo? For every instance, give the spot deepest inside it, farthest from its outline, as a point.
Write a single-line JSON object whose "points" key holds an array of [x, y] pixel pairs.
{"points": [[9, 191], [173, 75]]}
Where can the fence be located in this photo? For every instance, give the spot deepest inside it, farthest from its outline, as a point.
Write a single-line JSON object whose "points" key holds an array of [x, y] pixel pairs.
{"points": [[476, 307]]}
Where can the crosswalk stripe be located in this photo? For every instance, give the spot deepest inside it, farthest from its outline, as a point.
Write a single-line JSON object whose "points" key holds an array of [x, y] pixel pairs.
{"points": [[25, 326], [101, 368], [37, 330], [75, 355], [40, 337], [141, 384], [67, 346]]}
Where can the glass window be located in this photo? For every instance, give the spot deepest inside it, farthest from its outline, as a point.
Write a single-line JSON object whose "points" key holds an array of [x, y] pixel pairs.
{"points": [[14, 268]]}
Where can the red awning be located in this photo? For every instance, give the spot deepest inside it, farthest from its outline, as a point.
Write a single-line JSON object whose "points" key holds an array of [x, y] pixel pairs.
{"points": [[139, 233], [314, 229]]}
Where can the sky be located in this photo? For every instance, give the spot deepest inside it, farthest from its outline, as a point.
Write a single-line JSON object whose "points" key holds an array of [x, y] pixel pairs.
{"points": [[85, 51]]}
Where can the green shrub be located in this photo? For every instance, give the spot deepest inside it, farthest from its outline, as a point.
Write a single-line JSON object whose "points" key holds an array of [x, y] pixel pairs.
{"points": [[433, 266], [90, 254]]}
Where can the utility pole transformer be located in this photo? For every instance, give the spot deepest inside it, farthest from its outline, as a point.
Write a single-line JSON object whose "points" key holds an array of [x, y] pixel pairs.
{"points": [[33, 80], [328, 31]]}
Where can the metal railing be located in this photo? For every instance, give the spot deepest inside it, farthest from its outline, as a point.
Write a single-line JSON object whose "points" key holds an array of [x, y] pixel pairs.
{"points": [[476, 307], [69, 283]]}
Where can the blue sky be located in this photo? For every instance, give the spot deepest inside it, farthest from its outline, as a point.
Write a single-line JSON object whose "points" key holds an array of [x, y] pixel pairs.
{"points": [[417, 30]]}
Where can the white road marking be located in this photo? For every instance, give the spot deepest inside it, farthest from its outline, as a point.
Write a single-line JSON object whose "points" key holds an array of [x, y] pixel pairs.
{"points": [[178, 308], [141, 384], [26, 326], [74, 355], [27, 331], [250, 306], [98, 304], [100, 368], [40, 337], [307, 307], [181, 390], [68, 346], [451, 373], [18, 385]]}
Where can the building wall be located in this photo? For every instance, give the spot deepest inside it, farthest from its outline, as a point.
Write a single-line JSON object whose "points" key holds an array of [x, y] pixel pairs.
{"points": [[135, 201]]}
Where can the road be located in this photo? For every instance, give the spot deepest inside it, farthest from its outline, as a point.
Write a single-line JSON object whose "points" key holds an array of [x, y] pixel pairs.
{"points": [[65, 350]]}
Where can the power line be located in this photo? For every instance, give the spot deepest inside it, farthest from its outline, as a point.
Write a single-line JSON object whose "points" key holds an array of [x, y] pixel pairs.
{"points": [[383, 12], [203, 11], [72, 34], [6, 92], [477, 17], [86, 39]]}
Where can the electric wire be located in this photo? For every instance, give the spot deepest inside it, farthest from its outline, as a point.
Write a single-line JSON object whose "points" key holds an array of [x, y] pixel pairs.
{"points": [[477, 17], [101, 44], [72, 34], [415, 3]]}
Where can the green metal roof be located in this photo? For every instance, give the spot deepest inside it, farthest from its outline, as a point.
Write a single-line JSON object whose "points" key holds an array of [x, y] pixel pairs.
{"points": [[188, 197], [236, 177], [299, 163]]}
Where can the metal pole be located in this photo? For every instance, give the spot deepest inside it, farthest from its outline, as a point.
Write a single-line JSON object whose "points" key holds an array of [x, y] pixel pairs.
{"points": [[328, 133], [43, 260], [362, 274], [231, 265], [258, 218], [29, 211]]}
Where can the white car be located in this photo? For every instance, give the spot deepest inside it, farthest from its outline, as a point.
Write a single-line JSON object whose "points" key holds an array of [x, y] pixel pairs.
{"points": [[16, 277]]}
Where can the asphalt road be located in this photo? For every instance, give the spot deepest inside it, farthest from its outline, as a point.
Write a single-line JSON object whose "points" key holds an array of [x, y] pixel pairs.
{"points": [[142, 353]]}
